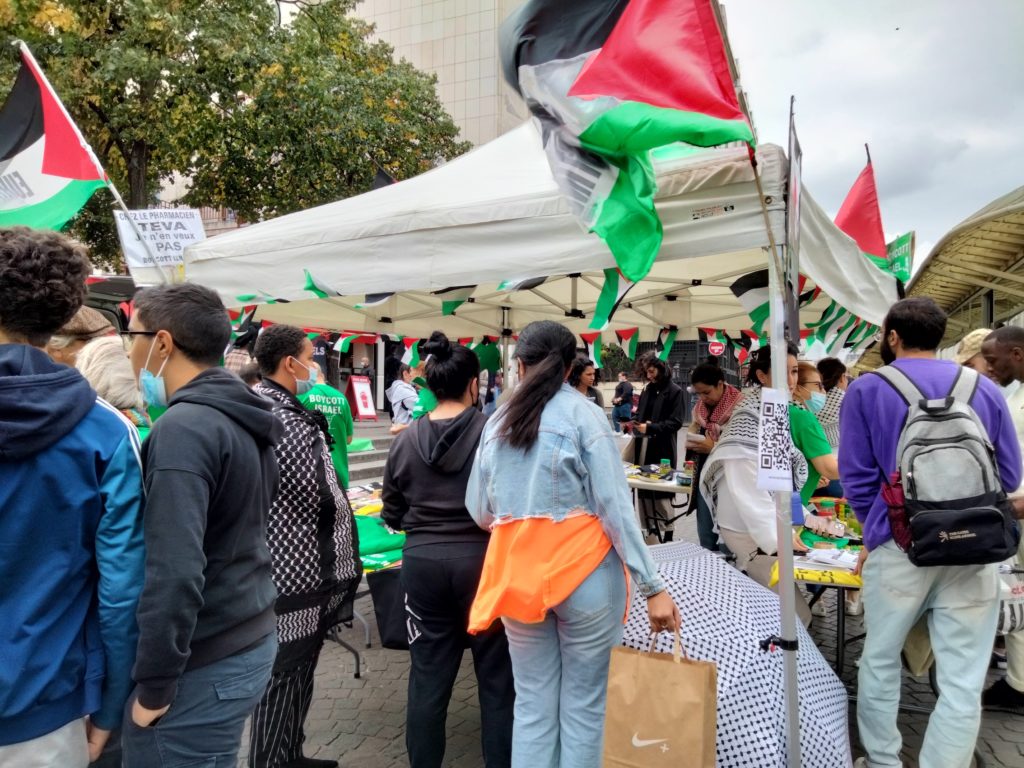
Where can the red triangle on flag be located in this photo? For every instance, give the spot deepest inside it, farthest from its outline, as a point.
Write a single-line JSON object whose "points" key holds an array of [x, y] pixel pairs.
{"points": [[64, 153], [666, 53], [860, 216]]}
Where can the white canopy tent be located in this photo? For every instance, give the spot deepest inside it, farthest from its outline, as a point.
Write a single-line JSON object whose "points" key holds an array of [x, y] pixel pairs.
{"points": [[496, 214]]}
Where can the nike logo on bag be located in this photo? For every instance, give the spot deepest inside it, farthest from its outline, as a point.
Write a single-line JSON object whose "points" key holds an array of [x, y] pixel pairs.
{"points": [[638, 742]]}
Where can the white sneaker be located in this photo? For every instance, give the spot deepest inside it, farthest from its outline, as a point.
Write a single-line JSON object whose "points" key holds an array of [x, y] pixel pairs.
{"points": [[820, 608], [854, 607]]}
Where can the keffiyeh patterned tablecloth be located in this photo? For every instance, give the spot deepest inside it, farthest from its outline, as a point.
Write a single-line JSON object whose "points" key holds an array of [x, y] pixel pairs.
{"points": [[725, 616]]}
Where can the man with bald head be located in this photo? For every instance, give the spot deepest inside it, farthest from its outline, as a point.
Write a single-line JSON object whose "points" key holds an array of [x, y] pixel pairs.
{"points": [[1003, 350]]}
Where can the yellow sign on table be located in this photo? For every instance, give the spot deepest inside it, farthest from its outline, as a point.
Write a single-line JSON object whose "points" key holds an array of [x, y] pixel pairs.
{"points": [[837, 577]]}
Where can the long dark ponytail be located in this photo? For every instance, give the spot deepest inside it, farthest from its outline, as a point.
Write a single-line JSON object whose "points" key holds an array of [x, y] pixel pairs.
{"points": [[546, 349]]}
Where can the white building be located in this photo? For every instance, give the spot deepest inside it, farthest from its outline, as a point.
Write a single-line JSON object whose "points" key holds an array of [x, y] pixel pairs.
{"points": [[458, 41]]}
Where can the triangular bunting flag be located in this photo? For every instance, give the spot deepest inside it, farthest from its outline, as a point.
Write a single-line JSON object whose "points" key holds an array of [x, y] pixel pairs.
{"points": [[663, 346], [453, 298], [611, 80], [752, 292], [708, 335], [318, 288], [592, 341], [374, 300], [344, 342], [615, 288], [627, 339], [412, 352], [521, 284]]}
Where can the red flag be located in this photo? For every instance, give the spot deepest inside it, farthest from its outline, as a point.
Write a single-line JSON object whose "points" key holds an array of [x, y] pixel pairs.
{"points": [[667, 53], [860, 216]]}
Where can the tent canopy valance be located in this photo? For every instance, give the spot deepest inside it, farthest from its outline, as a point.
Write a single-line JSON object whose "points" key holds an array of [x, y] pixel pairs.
{"points": [[496, 215]]}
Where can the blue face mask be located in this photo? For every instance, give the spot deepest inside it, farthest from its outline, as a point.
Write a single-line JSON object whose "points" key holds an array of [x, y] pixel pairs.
{"points": [[815, 402], [153, 387], [302, 386]]}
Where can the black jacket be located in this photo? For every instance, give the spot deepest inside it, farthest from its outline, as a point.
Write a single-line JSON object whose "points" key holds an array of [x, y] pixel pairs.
{"points": [[210, 477], [661, 403], [623, 393], [425, 480]]}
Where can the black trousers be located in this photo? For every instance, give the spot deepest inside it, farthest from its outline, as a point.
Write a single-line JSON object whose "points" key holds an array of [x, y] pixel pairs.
{"points": [[440, 582], [276, 732]]}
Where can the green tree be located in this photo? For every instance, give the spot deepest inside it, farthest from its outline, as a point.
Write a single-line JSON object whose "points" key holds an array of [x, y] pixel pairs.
{"points": [[262, 117]]}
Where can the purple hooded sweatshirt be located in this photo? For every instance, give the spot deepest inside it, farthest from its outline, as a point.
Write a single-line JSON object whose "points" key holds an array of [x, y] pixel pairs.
{"points": [[871, 421]]}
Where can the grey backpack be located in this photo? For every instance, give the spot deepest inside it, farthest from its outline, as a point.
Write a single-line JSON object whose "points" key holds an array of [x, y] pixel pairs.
{"points": [[956, 512]]}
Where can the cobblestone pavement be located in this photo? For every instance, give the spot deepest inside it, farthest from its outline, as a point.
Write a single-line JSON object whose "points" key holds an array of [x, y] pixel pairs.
{"points": [[361, 722]]}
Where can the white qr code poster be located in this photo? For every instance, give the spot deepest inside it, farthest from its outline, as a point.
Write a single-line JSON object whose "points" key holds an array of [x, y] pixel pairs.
{"points": [[774, 468]]}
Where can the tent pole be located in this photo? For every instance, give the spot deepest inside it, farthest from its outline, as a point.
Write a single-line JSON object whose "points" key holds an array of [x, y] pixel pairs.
{"points": [[784, 527]]}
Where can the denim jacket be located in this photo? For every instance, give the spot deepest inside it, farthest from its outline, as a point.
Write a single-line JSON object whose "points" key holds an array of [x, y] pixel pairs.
{"points": [[574, 466]]}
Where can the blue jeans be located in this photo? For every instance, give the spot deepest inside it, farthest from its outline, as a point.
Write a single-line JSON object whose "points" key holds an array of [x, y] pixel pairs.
{"points": [[560, 666], [962, 603], [621, 413], [203, 727]]}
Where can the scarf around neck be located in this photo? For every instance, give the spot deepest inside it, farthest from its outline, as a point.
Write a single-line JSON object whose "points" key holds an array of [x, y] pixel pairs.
{"points": [[713, 422]]}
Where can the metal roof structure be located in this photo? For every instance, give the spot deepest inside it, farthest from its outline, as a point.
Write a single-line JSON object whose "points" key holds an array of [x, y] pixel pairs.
{"points": [[975, 272]]}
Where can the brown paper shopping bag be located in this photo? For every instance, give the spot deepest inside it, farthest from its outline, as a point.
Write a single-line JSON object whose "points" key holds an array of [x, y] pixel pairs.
{"points": [[661, 710]]}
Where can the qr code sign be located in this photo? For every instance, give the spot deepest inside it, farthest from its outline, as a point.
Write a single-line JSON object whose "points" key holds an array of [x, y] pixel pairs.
{"points": [[774, 443]]}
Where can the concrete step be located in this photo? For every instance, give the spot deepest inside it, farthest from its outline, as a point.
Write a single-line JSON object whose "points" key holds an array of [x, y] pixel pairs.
{"points": [[367, 456], [365, 472]]}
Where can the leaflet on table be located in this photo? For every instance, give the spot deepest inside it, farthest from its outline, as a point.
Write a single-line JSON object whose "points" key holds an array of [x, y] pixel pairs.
{"points": [[831, 558]]}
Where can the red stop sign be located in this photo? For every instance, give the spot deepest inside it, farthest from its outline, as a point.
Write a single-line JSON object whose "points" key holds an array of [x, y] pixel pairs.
{"points": [[716, 348]]}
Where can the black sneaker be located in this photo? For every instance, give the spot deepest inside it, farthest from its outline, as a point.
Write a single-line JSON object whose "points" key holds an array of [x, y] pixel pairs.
{"points": [[1002, 697], [312, 762]]}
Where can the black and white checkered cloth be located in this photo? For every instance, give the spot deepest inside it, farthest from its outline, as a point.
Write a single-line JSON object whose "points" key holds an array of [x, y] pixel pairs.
{"points": [[725, 616]]}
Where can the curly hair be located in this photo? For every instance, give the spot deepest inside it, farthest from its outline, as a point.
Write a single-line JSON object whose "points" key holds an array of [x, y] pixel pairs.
{"points": [[42, 282], [277, 343]]}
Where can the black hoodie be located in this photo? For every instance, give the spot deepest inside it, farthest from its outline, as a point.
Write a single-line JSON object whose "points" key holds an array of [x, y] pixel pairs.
{"points": [[425, 480], [210, 476]]}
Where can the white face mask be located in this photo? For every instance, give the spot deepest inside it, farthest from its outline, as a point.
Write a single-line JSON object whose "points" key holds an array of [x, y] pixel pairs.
{"points": [[302, 386]]}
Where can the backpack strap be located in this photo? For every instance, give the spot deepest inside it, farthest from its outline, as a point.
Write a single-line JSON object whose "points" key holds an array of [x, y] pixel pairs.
{"points": [[964, 385], [899, 381]]}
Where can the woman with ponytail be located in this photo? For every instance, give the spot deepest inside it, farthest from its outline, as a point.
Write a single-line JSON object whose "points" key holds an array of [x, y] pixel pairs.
{"points": [[424, 494], [548, 484]]}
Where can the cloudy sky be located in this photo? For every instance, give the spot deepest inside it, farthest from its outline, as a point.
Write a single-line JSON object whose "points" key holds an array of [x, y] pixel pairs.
{"points": [[936, 88]]}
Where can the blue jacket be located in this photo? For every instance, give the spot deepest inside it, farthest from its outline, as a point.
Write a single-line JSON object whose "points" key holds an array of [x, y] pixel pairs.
{"points": [[573, 465], [71, 551]]}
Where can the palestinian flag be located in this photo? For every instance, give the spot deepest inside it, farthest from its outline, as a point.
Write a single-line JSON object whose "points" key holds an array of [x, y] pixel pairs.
{"points": [[752, 292], [373, 300], [344, 342], [47, 170], [615, 288], [708, 335], [610, 80], [453, 298], [746, 343], [861, 219], [268, 298], [663, 346], [412, 352], [627, 339], [521, 284], [318, 287], [592, 343]]}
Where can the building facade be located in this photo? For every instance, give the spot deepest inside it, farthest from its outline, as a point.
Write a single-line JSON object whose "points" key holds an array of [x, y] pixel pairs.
{"points": [[457, 40]]}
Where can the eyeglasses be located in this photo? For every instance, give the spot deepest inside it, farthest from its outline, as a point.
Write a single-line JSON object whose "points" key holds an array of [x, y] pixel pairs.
{"points": [[128, 337], [813, 385]]}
